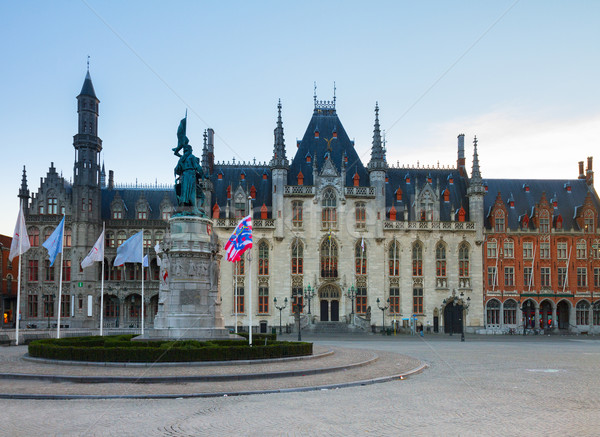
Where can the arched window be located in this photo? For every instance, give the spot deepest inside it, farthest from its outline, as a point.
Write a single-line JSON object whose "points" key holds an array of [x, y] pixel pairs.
{"points": [[52, 205], [263, 258], [394, 259], [582, 313], [589, 226], [463, 261], [34, 237], [328, 213], [440, 260], [297, 258], [581, 249], [360, 213], [499, 224], [297, 213], [417, 259], [329, 258], [544, 224], [510, 312], [493, 312], [360, 257]]}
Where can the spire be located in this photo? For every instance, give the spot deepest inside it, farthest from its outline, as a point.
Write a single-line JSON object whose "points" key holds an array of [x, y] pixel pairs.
{"points": [[475, 172], [102, 176], [88, 88], [205, 166], [377, 161], [24, 191], [279, 158]]}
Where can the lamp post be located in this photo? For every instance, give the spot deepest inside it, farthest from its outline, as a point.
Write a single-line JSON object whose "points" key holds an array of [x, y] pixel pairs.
{"points": [[352, 295], [383, 308], [280, 308], [309, 293], [299, 307], [466, 310]]}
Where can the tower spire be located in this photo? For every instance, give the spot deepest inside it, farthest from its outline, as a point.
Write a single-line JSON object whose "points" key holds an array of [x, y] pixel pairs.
{"points": [[475, 173], [377, 161], [24, 191], [279, 158]]}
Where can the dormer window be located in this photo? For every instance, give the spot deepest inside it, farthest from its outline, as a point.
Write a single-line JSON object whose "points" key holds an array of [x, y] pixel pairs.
{"points": [[559, 222], [220, 176], [526, 188], [265, 176], [308, 158], [446, 195], [407, 179], [499, 224], [511, 203], [568, 187], [393, 213], [525, 222], [316, 133], [461, 214], [399, 194], [216, 211], [242, 176], [253, 192], [229, 191], [263, 211], [451, 180], [300, 178], [387, 180], [142, 215], [334, 133], [356, 179], [485, 187]]}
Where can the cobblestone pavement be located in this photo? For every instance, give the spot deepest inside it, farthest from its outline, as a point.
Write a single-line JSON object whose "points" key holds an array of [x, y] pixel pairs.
{"points": [[496, 386]]}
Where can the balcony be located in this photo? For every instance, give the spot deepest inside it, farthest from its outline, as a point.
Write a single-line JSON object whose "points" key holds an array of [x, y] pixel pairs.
{"points": [[393, 225]]}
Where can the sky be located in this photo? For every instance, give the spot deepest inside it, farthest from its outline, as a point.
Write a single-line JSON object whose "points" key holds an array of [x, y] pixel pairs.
{"points": [[520, 75]]}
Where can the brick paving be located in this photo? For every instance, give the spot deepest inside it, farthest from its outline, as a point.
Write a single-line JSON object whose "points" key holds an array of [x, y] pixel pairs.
{"points": [[484, 386]]}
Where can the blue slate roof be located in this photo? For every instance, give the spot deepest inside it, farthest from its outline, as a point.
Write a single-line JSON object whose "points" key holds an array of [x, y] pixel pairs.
{"points": [[525, 202], [326, 121], [231, 175], [88, 88], [440, 178], [130, 196]]}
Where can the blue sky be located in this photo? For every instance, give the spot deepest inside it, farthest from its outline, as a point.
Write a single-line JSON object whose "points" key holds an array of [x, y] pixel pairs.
{"points": [[522, 76]]}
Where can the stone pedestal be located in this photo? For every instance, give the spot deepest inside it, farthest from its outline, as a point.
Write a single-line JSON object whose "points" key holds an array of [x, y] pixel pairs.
{"points": [[189, 304]]}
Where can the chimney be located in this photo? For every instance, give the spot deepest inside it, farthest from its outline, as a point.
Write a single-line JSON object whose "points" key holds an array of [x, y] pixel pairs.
{"points": [[589, 176], [211, 150], [111, 179], [460, 162], [581, 174]]}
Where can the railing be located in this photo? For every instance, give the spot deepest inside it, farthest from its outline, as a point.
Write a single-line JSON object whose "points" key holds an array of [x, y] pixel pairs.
{"points": [[299, 190], [359, 191], [428, 225], [233, 222]]}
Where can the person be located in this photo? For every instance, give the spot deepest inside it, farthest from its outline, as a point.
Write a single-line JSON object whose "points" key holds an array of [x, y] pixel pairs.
{"points": [[188, 171]]}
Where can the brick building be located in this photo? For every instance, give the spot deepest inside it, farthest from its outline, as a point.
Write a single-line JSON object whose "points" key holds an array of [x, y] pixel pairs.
{"points": [[8, 283]]}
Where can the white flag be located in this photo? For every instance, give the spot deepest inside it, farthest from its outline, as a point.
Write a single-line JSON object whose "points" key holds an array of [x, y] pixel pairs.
{"points": [[130, 251], [20, 238], [96, 254], [158, 251]]}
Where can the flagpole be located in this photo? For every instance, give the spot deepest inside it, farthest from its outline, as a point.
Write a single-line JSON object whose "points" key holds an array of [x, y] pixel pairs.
{"points": [[102, 285], [19, 280], [142, 281], [250, 278], [60, 275], [235, 295]]}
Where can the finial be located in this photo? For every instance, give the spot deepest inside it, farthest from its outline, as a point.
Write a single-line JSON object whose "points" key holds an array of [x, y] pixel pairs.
{"points": [[315, 94], [475, 140], [88, 63], [334, 93]]}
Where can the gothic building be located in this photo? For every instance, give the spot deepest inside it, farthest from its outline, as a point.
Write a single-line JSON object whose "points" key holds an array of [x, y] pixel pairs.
{"points": [[353, 245]]}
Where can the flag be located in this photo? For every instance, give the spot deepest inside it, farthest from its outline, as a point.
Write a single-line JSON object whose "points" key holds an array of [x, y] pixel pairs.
{"points": [[158, 251], [145, 261], [240, 240], [96, 254], [130, 251], [21, 236], [54, 243]]}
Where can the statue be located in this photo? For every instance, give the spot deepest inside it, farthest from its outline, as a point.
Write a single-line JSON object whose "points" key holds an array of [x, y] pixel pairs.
{"points": [[189, 176]]}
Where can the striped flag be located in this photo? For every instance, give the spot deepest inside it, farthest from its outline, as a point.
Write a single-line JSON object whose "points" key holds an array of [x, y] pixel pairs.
{"points": [[240, 241]]}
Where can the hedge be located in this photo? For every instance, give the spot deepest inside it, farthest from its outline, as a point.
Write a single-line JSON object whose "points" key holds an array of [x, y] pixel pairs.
{"points": [[122, 349]]}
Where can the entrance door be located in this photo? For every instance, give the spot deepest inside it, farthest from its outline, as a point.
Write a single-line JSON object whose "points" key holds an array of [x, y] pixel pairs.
{"points": [[562, 314], [453, 319], [324, 310], [546, 315], [335, 310]]}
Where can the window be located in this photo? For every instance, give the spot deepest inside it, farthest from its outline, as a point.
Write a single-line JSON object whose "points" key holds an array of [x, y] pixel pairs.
{"points": [[360, 257], [582, 313], [596, 313], [297, 258], [561, 250], [328, 213], [32, 270], [239, 268], [263, 300], [493, 312], [142, 215], [581, 276], [581, 249], [111, 307], [263, 258], [34, 237], [394, 259], [90, 204], [240, 300], [545, 250], [544, 223], [297, 213], [32, 305], [240, 209], [66, 270], [597, 277], [48, 271], [110, 239], [41, 209], [509, 249], [588, 223], [492, 277], [117, 213], [48, 305], [418, 301], [394, 300], [417, 259], [52, 206], [499, 223], [65, 305], [440, 260], [527, 278], [463, 261], [121, 237], [562, 276], [510, 312], [360, 213], [509, 276], [527, 250], [545, 276], [595, 250], [147, 240], [68, 237], [329, 259], [83, 205], [297, 299], [492, 249], [166, 215], [361, 300]]}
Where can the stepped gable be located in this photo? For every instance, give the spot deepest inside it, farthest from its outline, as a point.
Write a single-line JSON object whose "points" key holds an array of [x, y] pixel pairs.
{"points": [[231, 174], [526, 201], [326, 122], [130, 196], [440, 181]]}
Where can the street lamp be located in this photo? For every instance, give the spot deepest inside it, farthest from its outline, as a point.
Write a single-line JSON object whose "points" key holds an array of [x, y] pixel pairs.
{"points": [[280, 308], [309, 293], [352, 295], [466, 310], [383, 308], [299, 308]]}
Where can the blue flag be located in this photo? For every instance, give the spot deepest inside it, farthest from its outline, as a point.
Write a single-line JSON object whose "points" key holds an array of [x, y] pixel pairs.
{"points": [[130, 251], [54, 243]]}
